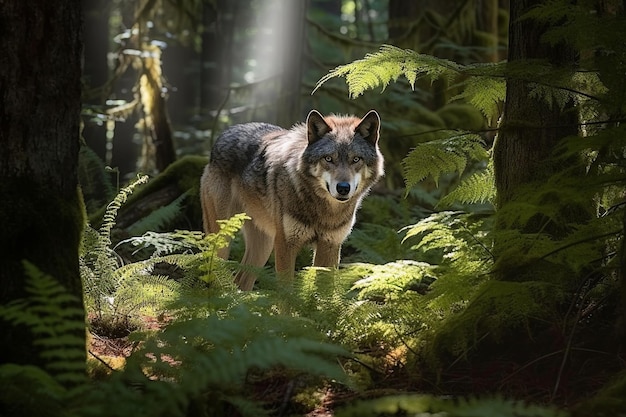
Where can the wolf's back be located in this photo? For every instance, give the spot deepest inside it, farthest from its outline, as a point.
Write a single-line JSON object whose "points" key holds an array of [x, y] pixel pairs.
{"points": [[238, 145]]}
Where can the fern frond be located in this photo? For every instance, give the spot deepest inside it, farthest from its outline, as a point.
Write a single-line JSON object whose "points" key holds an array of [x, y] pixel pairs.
{"points": [[375, 243], [29, 390], [496, 308], [108, 220], [450, 154], [480, 187], [160, 244], [486, 94], [388, 64], [56, 320], [388, 281], [159, 218], [553, 97], [215, 351], [459, 235]]}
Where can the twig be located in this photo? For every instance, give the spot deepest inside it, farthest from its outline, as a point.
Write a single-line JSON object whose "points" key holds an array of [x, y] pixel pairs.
{"points": [[102, 361]]}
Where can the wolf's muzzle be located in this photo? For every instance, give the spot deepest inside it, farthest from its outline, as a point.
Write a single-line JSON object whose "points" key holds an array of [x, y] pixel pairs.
{"points": [[343, 188]]}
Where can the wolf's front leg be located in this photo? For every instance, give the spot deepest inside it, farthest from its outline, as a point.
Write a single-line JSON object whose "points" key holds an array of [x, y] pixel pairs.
{"points": [[326, 254], [285, 253]]}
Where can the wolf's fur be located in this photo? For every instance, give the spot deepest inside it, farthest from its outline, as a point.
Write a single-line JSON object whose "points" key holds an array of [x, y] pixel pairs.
{"points": [[300, 186]]}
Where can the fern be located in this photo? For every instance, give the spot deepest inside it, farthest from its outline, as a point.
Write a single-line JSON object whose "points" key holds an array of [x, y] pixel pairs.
{"points": [[375, 243], [160, 217], [108, 220], [387, 282], [477, 188], [57, 322], [214, 345], [486, 94], [98, 260], [95, 183], [380, 68], [450, 154], [454, 232]]}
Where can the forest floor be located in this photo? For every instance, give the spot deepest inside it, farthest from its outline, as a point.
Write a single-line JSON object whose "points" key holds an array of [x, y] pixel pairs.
{"points": [[282, 392], [560, 378]]}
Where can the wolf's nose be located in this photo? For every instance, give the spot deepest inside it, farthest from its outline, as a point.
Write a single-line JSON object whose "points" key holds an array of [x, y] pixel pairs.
{"points": [[343, 188]]}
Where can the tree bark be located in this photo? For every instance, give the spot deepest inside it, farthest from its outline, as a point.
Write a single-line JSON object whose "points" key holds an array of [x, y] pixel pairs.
{"points": [[40, 100], [530, 127], [523, 151], [158, 144]]}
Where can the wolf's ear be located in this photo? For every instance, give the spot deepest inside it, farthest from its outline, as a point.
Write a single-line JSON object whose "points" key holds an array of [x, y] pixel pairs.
{"points": [[369, 127], [316, 126]]}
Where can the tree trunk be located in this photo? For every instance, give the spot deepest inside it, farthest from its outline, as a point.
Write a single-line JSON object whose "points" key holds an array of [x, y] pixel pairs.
{"points": [[40, 100], [530, 127], [158, 144], [530, 130]]}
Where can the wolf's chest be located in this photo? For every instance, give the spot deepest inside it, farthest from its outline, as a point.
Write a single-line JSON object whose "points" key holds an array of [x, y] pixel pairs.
{"points": [[297, 231]]}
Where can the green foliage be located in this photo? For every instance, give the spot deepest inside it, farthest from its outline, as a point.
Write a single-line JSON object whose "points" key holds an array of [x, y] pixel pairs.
{"points": [[56, 320], [203, 355], [380, 68], [484, 84], [450, 154], [189, 250], [389, 281], [201, 358], [486, 93], [98, 263], [498, 309], [429, 406], [479, 187], [160, 217]]}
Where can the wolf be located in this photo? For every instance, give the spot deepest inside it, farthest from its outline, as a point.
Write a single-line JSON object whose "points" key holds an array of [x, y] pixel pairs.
{"points": [[300, 186]]}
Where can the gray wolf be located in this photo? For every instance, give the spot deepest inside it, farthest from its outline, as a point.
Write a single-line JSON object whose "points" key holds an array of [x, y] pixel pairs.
{"points": [[300, 187]]}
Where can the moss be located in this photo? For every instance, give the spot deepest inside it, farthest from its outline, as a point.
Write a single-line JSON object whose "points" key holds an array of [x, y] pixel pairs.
{"points": [[184, 174]]}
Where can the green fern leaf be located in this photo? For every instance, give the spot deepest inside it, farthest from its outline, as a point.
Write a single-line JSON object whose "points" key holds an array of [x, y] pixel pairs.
{"points": [[108, 220], [388, 281], [387, 65], [441, 156], [478, 188], [486, 94], [54, 317], [159, 218]]}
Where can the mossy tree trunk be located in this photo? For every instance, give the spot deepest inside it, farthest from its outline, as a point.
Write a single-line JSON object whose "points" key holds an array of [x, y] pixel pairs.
{"points": [[40, 99]]}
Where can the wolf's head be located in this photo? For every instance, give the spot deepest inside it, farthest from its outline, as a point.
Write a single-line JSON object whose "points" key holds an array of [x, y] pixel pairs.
{"points": [[343, 154]]}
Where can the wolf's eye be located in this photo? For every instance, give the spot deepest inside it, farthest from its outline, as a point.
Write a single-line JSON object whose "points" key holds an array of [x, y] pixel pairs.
{"points": [[356, 159], [328, 158]]}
